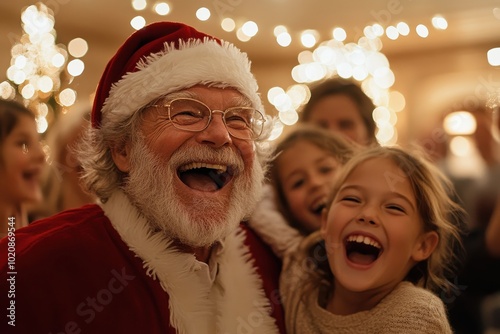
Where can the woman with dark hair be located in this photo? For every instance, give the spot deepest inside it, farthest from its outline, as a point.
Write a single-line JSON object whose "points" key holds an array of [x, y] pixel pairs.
{"points": [[341, 106]]}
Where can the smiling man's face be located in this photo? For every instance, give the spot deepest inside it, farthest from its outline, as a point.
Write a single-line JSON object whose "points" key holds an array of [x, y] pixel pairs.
{"points": [[196, 186]]}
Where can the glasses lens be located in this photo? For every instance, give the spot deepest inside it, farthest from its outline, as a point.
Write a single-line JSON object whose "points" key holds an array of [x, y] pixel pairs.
{"points": [[192, 115], [189, 114], [244, 123]]}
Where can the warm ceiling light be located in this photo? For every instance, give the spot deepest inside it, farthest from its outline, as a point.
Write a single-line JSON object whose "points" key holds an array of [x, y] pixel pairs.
{"points": [[439, 22], [41, 124], [228, 24], [162, 8], [250, 28], [298, 94], [242, 36], [381, 115], [397, 101], [76, 67], [339, 34], [28, 91], [203, 14], [392, 32], [422, 31], [78, 47], [273, 93], [58, 60], [461, 146], [378, 29], [309, 38], [7, 92], [139, 4], [67, 97], [279, 30], [494, 56], [289, 117], [284, 39], [459, 123], [276, 131], [138, 22], [45, 84], [403, 28]]}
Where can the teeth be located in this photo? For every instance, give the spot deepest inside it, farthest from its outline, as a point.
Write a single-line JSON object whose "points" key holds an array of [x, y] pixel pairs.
{"points": [[219, 168], [364, 239]]}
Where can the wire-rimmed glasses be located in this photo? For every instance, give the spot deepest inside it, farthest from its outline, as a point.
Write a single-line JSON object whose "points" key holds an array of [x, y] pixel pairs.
{"points": [[192, 115]]}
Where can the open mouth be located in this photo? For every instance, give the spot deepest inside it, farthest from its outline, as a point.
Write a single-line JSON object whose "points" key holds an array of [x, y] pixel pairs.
{"points": [[205, 176], [362, 249], [318, 208], [318, 204], [31, 175]]}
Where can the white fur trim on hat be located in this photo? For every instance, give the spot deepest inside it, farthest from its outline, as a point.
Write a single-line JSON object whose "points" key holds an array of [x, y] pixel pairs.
{"points": [[194, 62]]}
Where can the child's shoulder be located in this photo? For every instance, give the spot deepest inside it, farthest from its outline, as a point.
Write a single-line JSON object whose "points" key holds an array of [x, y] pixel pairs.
{"points": [[407, 290], [415, 307], [406, 293]]}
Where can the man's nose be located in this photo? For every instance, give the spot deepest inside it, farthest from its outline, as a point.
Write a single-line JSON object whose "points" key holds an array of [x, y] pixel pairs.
{"points": [[216, 133]]}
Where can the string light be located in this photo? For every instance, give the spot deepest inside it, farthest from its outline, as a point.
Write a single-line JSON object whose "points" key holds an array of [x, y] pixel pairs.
{"points": [[138, 22], [40, 67], [439, 22], [493, 56], [203, 14], [459, 123], [228, 24], [162, 8], [422, 31], [361, 61]]}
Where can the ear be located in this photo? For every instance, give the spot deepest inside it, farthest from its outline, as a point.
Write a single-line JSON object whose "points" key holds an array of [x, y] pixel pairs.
{"points": [[120, 155], [426, 244]]}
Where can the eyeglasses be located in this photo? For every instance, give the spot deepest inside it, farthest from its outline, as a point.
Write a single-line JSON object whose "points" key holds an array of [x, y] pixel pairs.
{"points": [[193, 115]]}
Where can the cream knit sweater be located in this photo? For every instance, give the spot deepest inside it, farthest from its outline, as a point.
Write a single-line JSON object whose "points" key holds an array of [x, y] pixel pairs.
{"points": [[407, 310]]}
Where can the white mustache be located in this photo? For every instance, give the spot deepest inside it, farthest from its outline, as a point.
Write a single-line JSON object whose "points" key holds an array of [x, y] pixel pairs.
{"points": [[221, 156]]}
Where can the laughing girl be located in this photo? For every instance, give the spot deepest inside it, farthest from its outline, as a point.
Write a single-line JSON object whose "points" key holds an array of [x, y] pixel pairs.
{"points": [[389, 236]]}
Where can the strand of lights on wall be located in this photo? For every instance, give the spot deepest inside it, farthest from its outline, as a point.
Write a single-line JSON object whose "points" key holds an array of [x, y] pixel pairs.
{"points": [[40, 67], [361, 61]]}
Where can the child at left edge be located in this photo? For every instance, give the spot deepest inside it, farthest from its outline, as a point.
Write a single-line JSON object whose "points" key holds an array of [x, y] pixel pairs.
{"points": [[21, 164]]}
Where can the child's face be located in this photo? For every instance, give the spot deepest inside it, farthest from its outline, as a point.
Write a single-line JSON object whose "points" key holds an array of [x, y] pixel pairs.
{"points": [[306, 173], [22, 163], [373, 230]]}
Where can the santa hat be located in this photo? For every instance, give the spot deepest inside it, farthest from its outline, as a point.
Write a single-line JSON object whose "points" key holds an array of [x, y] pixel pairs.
{"points": [[165, 57]]}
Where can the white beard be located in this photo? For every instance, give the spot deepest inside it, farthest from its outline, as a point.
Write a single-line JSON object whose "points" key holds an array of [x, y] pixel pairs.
{"points": [[198, 222]]}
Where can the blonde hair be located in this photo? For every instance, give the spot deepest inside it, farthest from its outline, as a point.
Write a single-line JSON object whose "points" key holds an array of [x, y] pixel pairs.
{"points": [[333, 144], [434, 195]]}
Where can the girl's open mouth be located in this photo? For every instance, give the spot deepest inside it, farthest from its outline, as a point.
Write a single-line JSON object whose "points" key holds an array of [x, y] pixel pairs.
{"points": [[361, 249]]}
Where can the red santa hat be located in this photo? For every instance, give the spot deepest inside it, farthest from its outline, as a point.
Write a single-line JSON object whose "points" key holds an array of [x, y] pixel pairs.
{"points": [[165, 57]]}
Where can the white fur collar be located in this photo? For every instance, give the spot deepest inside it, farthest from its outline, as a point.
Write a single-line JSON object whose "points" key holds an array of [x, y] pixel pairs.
{"points": [[240, 301]]}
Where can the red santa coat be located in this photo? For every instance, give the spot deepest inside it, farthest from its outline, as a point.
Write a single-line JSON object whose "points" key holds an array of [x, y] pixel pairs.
{"points": [[74, 273]]}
